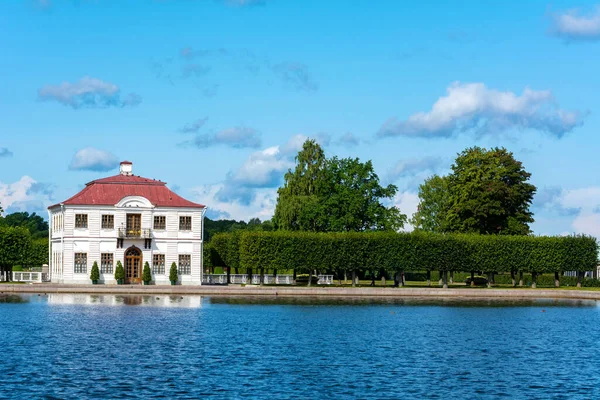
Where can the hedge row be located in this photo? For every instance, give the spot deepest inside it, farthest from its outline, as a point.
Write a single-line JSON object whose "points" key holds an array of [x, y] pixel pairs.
{"points": [[402, 252]]}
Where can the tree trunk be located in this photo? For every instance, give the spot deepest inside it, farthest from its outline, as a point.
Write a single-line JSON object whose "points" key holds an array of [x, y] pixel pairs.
{"points": [[533, 280], [428, 278], [262, 276], [441, 282], [372, 278], [310, 275], [521, 278], [579, 276], [249, 273], [472, 278], [445, 280], [339, 274], [489, 279], [493, 276], [345, 278], [401, 278], [451, 277], [353, 278], [512, 278], [237, 270], [556, 280], [228, 275], [383, 279]]}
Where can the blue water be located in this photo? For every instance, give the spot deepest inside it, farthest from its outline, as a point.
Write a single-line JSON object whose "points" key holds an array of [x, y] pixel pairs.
{"points": [[80, 346]]}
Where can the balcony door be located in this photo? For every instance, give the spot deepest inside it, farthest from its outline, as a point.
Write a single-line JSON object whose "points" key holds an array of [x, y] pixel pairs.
{"points": [[134, 225]]}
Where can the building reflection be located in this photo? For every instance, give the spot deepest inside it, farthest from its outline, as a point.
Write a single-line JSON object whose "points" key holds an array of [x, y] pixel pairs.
{"points": [[127, 300]]}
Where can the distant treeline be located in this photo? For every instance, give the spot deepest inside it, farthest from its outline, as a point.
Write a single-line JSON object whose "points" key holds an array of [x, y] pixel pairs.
{"points": [[393, 252]]}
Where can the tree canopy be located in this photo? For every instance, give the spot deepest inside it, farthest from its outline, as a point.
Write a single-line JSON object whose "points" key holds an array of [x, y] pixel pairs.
{"points": [[35, 224], [487, 192], [334, 195]]}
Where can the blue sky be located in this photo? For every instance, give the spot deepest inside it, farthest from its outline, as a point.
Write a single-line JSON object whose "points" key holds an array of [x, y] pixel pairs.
{"points": [[216, 96]]}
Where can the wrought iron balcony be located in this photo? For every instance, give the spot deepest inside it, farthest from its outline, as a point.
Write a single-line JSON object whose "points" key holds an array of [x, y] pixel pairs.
{"points": [[128, 233]]}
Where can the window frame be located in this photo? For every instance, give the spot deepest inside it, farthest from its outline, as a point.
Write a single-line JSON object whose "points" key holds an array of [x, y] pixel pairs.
{"points": [[78, 266], [111, 218], [184, 268], [183, 226], [161, 227], [79, 219], [106, 268], [158, 268]]}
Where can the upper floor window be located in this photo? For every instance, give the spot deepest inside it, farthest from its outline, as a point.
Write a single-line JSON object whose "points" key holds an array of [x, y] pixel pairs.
{"points": [[185, 264], [81, 221], [106, 263], [160, 222], [185, 223], [80, 263], [108, 222]]}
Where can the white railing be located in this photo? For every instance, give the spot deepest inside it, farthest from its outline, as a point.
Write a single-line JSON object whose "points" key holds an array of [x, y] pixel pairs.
{"points": [[279, 279], [239, 278], [26, 276], [325, 280], [214, 279]]}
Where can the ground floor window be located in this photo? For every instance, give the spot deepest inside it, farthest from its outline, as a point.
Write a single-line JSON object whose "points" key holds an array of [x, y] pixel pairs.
{"points": [[158, 264], [106, 263], [80, 263], [185, 264]]}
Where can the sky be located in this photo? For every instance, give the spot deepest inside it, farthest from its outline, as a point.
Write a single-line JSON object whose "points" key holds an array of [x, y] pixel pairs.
{"points": [[215, 97]]}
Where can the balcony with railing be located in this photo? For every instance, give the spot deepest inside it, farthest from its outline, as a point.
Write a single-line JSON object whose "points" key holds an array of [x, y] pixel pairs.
{"points": [[129, 233]]}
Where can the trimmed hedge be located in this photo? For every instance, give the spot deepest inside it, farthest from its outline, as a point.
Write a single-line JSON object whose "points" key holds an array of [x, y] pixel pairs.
{"points": [[389, 251]]}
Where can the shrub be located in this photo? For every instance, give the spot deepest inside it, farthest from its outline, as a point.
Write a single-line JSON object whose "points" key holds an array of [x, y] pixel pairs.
{"points": [[173, 273], [119, 271], [95, 274], [146, 274]]}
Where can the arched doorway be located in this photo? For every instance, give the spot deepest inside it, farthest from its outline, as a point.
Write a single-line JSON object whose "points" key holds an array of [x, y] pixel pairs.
{"points": [[133, 265]]}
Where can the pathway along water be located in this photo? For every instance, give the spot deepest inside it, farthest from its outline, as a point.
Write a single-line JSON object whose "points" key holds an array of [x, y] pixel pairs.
{"points": [[97, 346]]}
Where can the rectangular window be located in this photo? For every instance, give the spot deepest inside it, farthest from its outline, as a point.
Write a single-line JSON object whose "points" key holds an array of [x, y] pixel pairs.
{"points": [[158, 264], [81, 221], [185, 264], [160, 222], [106, 263], [80, 263], [185, 223], [108, 222]]}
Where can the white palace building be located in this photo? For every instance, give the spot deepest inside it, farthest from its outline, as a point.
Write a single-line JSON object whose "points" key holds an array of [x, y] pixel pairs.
{"points": [[130, 219]]}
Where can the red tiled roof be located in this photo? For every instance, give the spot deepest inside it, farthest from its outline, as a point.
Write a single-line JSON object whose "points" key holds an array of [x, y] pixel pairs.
{"points": [[109, 191]]}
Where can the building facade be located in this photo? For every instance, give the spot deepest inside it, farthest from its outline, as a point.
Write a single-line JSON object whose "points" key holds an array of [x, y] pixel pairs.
{"points": [[130, 219]]}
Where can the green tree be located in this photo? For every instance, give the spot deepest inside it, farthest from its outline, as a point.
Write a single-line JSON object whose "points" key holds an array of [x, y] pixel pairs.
{"points": [[119, 272], [297, 205], [433, 205], [323, 195], [95, 273], [15, 243], [35, 224], [354, 198], [146, 274], [489, 193], [173, 273]]}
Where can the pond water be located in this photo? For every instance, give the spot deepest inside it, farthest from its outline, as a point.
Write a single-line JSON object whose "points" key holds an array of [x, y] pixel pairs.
{"points": [[83, 346]]}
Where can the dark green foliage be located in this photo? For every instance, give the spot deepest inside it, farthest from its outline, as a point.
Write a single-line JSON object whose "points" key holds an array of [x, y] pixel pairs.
{"points": [[36, 225], [95, 274], [173, 273], [146, 274], [212, 227], [418, 251], [119, 271]]}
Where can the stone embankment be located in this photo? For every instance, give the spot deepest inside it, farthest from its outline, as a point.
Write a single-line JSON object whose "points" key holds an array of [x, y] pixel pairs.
{"points": [[290, 291]]}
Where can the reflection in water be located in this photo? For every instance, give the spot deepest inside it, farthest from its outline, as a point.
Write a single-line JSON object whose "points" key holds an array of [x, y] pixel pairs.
{"points": [[128, 300], [403, 301], [13, 298]]}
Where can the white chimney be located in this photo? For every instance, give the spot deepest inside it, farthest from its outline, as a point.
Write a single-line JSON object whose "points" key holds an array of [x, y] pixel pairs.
{"points": [[126, 168]]}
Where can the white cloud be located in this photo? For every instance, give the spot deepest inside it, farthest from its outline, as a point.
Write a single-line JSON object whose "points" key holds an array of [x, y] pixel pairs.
{"points": [[415, 166], [349, 140], [25, 195], [575, 25], [92, 159], [238, 137], [407, 202], [262, 205], [583, 204], [472, 107], [88, 92]]}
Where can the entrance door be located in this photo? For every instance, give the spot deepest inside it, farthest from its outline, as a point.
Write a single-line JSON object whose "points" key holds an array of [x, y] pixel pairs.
{"points": [[133, 265]]}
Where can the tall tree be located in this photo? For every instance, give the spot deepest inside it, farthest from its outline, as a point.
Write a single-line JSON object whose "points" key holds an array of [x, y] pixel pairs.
{"points": [[433, 205], [297, 205], [35, 224], [354, 198], [489, 193], [323, 195]]}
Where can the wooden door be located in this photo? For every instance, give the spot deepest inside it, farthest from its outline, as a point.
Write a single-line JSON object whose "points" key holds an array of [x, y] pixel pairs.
{"points": [[133, 265], [134, 224]]}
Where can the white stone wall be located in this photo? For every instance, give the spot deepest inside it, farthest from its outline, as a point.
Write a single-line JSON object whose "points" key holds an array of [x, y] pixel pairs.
{"points": [[94, 240]]}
